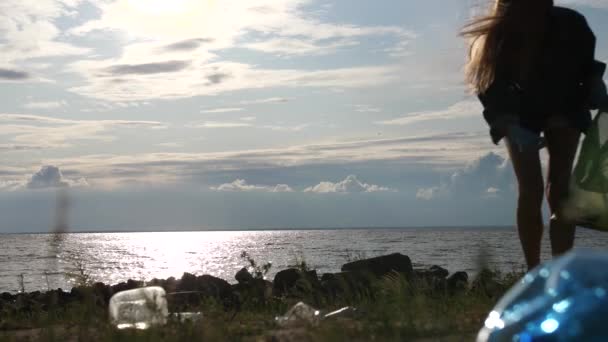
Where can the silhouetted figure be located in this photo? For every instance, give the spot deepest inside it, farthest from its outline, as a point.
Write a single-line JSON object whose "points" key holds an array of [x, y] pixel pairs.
{"points": [[532, 65]]}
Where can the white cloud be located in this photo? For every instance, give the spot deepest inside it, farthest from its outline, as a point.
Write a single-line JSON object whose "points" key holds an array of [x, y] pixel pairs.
{"points": [[48, 132], [349, 185], [47, 177], [600, 4], [177, 61], [429, 193], [45, 105], [212, 79], [222, 110], [361, 108], [490, 176], [464, 109], [28, 30], [292, 46], [270, 100], [438, 151], [219, 124], [246, 122], [240, 185]]}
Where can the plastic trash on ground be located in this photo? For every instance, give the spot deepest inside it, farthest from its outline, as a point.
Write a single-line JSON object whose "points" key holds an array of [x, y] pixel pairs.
{"points": [[139, 308], [300, 313], [563, 300], [347, 311], [587, 204], [187, 316]]}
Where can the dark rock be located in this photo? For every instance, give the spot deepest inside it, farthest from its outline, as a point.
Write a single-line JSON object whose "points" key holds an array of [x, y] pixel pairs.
{"points": [[382, 265], [285, 280], [7, 297], [77, 293], [439, 271], [256, 291], [191, 290], [134, 284], [243, 276], [187, 283], [486, 283], [120, 287], [103, 292], [212, 286], [205, 285], [347, 284], [170, 285], [295, 281], [458, 282]]}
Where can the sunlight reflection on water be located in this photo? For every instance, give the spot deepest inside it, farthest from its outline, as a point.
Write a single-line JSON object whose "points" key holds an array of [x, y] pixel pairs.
{"points": [[116, 257]]}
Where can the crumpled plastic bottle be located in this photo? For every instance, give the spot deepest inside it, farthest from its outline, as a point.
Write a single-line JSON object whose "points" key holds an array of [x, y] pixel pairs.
{"points": [[563, 300], [299, 314], [139, 308]]}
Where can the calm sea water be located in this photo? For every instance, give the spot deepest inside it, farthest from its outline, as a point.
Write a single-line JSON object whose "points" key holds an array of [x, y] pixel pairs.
{"points": [[44, 260]]}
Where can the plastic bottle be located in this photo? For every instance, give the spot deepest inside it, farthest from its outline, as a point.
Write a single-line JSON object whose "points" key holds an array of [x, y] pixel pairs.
{"points": [[139, 308]]}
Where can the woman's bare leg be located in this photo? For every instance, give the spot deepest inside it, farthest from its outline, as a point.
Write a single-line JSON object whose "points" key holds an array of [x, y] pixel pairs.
{"points": [[562, 143], [531, 192]]}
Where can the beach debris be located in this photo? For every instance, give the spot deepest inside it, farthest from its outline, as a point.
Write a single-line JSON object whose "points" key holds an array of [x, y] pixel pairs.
{"points": [[347, 311], [187, 316], [139, 308], [565, 299], [299, 314], [302, 313]]}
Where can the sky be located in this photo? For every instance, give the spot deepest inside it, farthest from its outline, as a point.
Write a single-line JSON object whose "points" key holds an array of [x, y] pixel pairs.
{"points": [[246, 114]]}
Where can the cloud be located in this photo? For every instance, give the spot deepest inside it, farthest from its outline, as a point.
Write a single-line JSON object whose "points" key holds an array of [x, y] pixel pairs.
{"points": [[439, 151], [489, 176], [218, 124], [366, 109], [148, 68], [49, 177], [349, 185], [270, 100], [281, 27], [240, 185], [29, 30], [599, 4], [188, 44], [222, 110], [464, 109], [246, 122], [13, 75], [213, 78], [50, 132], [292, 46], [45, 105]]}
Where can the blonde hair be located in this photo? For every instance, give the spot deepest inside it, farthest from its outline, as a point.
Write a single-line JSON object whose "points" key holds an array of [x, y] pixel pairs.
{"points": [[508, 35]]}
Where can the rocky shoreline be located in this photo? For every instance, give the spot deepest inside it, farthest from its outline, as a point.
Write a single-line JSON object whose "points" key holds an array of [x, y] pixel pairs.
{"points": [[190, 291]]}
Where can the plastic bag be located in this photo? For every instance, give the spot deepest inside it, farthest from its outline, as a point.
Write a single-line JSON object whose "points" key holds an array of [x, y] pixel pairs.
{"points": [[563, 300], [587, 203]]}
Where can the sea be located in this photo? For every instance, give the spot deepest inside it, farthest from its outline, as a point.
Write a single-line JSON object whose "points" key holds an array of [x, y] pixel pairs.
{"points": [[33, 262]]}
